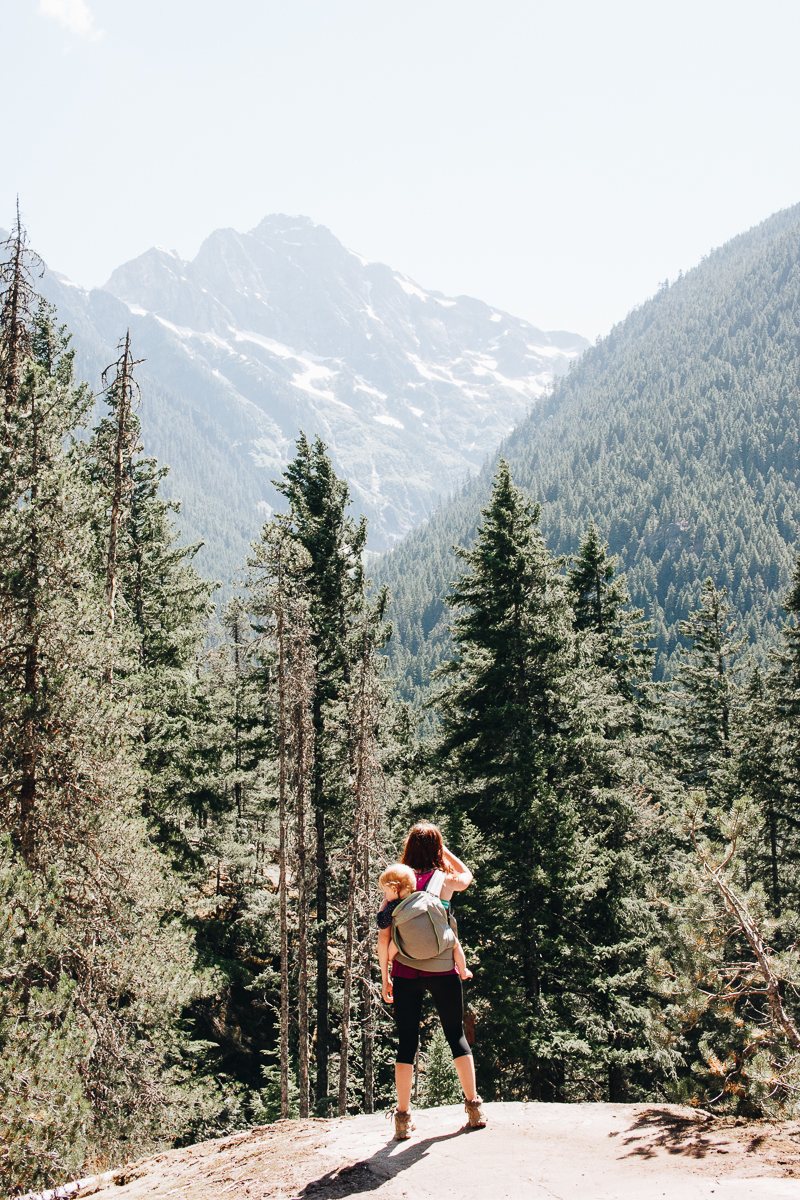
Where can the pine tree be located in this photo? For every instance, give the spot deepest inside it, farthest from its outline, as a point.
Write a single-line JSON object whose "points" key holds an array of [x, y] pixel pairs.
{"points": [[16, 311], [334, 542], [441, 1084], [773, 856], [728, 998], [115, 443], [600, 603], [525, 711], [768, 761], [100, 994], [706, 691]]}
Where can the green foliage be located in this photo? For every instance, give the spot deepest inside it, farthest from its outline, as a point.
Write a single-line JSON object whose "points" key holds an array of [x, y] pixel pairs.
{"points": [[631, 938], [676, 434], [714, 979], [96, 971], [557, 913], [441, 1084], [705, 691], [43, 1044]]}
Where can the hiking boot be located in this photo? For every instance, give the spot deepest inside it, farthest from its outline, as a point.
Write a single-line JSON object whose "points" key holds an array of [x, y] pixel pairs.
{"points": [[403, 1125], [477, 1117]]}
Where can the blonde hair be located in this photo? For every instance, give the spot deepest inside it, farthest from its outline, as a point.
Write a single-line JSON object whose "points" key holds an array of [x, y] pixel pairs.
{"points": [[402, 877]]}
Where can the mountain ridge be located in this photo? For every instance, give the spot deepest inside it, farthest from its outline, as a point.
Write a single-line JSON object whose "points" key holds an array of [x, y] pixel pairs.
{"points": [[677, 433], [280, 329]]}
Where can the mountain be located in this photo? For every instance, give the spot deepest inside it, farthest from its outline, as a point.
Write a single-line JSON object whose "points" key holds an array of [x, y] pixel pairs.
{"points": [[678, 434], [281, 329]]}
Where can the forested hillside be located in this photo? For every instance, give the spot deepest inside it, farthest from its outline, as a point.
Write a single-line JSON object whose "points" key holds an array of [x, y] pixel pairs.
{"points": [[678, 434], [197, 807]]}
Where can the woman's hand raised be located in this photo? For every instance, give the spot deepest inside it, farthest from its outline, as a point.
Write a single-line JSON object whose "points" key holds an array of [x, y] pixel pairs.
{"points": [[457, 871]]}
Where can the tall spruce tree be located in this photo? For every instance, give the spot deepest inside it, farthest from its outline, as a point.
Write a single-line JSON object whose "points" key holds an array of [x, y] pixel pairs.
{"points": [[773, 856], [706, 690], [768, 760], [318, 502], [556, 914], [17, 304], [601, 604], [166, 604]]}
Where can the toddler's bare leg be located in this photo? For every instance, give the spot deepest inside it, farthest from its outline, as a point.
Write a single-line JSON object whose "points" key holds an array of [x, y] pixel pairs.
{"points": [[461, 962], [392, 951]]}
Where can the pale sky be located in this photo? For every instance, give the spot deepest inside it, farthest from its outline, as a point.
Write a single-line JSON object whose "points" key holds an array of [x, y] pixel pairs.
{"points": [[556, 159]]}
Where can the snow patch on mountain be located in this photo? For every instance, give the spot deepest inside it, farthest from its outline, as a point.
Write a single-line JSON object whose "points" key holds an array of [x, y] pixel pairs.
{"points": [[283, 329]]}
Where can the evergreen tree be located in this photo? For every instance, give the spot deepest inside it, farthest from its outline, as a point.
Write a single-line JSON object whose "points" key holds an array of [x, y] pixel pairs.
{"points": [[773, 855], [556, 914], [768, 762], [600, 603], [101, 993], [728, 998], [334, 543], [363, 718], [441, 1084], [115, 444], [16, 311], [706, 692]]}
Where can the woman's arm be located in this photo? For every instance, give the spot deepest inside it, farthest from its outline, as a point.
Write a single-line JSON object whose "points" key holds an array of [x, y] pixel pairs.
{"points": [[383, 959], [459, 874]]}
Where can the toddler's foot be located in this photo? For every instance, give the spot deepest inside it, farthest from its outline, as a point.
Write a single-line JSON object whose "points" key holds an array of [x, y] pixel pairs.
{"points": [[466, 973]]}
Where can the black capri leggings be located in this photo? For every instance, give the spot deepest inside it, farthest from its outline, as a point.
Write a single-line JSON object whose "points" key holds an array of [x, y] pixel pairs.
{"points": [[446, 993]]}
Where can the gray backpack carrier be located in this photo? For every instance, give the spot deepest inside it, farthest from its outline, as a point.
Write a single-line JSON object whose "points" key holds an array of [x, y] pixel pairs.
{"points": [[422, 930]]}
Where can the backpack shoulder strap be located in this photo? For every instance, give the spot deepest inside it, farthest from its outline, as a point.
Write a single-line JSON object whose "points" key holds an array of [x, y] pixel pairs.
{"points": [[435, 884]]}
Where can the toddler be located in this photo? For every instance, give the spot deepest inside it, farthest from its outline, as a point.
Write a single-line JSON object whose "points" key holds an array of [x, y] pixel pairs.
{"points": [[397, 882]]}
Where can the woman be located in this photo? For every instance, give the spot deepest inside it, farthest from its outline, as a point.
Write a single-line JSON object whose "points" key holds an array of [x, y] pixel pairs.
{"points": [[425, 852]]}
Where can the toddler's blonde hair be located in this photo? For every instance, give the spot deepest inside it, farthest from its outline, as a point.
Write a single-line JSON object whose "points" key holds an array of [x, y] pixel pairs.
{"points": [[402, 877]]}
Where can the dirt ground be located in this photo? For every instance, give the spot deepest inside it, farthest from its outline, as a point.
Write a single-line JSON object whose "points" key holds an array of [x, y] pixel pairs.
{"points": [[527, 1152]]}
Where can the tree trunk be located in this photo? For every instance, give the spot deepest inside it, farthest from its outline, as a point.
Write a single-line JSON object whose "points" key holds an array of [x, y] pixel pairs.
{"points": [[347, 982], [344, 1047], [773, 846], [282, 852], [322, 964], [123, 384], [367, 1022], [302, 932], [27, 798], [360, 769], [751, 931], [616, 1084]]}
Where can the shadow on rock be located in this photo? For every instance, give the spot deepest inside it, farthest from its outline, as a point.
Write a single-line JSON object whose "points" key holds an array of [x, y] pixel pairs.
{"points": [[675, 1134], [371, 1173]]}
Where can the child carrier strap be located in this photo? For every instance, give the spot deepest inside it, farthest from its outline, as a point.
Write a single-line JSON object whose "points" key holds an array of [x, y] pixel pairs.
{"points": [[435, 884]]}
